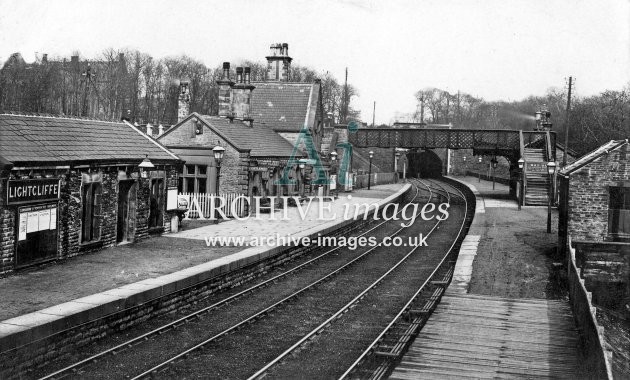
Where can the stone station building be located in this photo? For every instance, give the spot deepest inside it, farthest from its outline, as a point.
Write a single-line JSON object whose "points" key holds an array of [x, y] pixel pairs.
{"points": [[594, 216], [72, 186]]}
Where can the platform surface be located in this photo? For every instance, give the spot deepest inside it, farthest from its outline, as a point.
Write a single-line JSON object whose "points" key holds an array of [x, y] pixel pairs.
{"points": [[500, 316]]}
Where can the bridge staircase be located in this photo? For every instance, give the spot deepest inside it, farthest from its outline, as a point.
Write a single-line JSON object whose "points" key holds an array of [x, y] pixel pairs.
{"points": [[536, 152]]}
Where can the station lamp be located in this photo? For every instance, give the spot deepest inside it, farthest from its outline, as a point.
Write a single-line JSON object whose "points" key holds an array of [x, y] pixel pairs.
{"points": [[145, 166], [551, 170], [521, 164], [218, 152]]}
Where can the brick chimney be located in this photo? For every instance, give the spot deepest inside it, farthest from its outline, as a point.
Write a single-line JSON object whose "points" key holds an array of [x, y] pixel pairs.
{"points": [[183, 104], [242, 94], [278, 63], [225, 92]]}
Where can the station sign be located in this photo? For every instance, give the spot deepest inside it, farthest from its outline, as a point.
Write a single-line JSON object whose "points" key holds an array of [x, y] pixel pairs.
{"points": [[32, 190]]}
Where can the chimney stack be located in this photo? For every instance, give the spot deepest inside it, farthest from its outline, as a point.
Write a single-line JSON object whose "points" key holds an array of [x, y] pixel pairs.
{"points": [[183, 104], [242, 94], [278, 63], [225, 92]]}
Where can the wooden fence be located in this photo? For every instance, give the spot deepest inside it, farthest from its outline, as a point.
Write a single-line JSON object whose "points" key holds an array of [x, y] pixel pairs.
{"points": [[598, 357], [203, 202]]}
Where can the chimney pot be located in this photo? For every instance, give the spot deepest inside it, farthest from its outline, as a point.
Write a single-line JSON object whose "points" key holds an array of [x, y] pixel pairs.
{"points": [[239, 75], [226, 71], [247, 75]]}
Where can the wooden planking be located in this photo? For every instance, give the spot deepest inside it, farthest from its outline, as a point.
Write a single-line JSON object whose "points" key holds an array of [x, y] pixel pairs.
{"points": [[476, 336]]}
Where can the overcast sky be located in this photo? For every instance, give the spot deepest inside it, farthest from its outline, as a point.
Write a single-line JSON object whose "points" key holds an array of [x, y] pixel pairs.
{"points": [[495, 49]]}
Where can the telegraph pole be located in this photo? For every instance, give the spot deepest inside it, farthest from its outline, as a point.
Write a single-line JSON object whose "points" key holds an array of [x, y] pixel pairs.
{"points": [[566, 125], [345, 99]]}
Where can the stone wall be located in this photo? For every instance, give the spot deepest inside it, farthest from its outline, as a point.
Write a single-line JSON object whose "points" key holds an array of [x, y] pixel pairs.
{"points": [[70, 213], [383, 160], [7, 228], [588, 195], [234, 166]]}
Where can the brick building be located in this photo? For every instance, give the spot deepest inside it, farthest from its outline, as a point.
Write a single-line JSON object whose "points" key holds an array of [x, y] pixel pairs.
{"points": [[71, 186], [594, 213], [595, 195]]}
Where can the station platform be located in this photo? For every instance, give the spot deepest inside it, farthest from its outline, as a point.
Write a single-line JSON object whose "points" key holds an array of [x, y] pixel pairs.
{"points": [[504, 314], [40, 301]]}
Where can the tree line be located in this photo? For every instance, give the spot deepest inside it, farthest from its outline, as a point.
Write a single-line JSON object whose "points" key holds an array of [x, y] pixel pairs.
{"points": [[131, 84], [594, 120]]}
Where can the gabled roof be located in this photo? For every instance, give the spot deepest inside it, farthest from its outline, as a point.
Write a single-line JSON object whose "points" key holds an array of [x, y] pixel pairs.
{"points": [[259, 140], [610, 146], [284, 106], [54, 140]]}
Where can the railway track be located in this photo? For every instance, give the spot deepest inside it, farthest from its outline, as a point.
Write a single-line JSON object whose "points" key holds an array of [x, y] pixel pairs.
{"points": [[379, 357], [305, 306], [338, 343]]}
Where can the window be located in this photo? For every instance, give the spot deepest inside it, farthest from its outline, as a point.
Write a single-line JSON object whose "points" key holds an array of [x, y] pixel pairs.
{"points": [[91, 218], [619, 213], [157, 203], [194, 179]]}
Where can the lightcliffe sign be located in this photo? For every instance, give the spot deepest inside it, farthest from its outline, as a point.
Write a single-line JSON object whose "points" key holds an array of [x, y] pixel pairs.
{"points": [[32, 190]]}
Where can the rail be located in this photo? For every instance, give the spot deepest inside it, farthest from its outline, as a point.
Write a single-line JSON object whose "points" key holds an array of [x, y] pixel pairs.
{"points": [[443, 271], [72, 368], [262, 372]]}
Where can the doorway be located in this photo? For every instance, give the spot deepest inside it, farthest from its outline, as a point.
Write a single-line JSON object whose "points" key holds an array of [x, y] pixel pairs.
{"points": [[126, 222]]}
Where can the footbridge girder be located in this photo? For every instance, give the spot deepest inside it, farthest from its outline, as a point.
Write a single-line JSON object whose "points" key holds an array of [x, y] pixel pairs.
{"points": [[498, 142]]}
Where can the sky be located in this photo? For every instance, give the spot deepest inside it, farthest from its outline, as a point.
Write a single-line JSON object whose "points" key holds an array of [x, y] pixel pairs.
{"points": [[494, 49]]}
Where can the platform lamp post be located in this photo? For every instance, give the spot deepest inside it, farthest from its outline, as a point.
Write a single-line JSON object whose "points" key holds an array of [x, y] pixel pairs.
{"points": [[521, 164], [494, 163], [333, 159], [370, 170], [464, 159], [551, 170], [302, 186], [217, 151], [396, 158], [479, 170]]}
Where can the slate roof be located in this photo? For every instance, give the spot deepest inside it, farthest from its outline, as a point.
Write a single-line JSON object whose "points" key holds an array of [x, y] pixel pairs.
{"points": [[259, 140], [54, 140], [282, 106], [592, 156]]}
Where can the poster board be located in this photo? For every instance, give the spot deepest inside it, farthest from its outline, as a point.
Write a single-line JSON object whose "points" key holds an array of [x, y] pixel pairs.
{"points": [[171, 198]]}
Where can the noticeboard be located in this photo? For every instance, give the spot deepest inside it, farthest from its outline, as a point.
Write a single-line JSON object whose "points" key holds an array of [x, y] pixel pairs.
{"points": [[37, 234], [171, 199]]}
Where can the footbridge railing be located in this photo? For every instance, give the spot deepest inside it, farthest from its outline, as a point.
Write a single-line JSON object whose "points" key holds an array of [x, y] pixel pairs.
{"points": [[494, 141]]}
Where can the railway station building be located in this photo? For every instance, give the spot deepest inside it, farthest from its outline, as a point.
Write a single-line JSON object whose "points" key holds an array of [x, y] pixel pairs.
{"points": [[71, 186], [254, 157], [594, 219]]}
